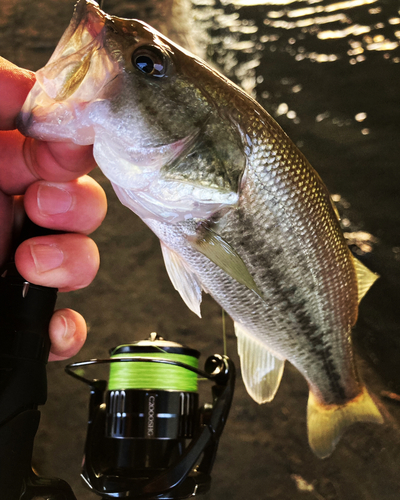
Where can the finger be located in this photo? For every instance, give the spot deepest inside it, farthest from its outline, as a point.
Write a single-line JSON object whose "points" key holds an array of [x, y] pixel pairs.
{"points": [[67, 332], [24, 160], [58, 161], [15, 83], [76, 206], [63, 261]]}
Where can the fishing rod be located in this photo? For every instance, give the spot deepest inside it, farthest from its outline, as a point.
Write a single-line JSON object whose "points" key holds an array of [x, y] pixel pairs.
{"points": [[147, 436], [25, 312]]}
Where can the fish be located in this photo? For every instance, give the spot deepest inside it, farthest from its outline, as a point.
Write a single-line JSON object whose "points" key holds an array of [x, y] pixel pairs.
{"points": [[239, 211]]}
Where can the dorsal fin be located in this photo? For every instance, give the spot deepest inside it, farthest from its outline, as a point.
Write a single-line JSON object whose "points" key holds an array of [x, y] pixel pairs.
{"points": [[335, 209], [365, 278], [261, 370], [183, 279]]}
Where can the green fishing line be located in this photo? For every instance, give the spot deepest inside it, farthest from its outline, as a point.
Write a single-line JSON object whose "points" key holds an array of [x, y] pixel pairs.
{"points": [[156, 376], [224, 332]]}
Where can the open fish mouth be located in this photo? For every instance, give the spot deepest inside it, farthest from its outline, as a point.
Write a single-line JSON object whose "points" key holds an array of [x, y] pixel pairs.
{"points": [[76, 75], [71, 98]]}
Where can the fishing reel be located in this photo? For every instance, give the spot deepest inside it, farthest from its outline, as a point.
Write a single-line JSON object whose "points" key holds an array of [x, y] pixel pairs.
{"points": [[147, 437]]}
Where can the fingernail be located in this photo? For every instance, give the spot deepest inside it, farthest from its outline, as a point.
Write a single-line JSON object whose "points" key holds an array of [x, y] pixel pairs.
{"points": [[53, 200], [46, 257], [67, 326]]}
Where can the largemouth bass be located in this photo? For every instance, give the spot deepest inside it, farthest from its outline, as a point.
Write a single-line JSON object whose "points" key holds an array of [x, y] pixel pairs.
{"points": [[239, 211]]}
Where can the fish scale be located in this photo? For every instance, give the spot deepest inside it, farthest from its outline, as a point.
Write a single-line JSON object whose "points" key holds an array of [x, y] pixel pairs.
{"points": [[335, 319], [239, 211], [276, 261]]}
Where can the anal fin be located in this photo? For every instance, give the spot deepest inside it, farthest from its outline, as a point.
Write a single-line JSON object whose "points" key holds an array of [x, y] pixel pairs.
{"points": [[326, 424], [183, 279], [261, 369]]}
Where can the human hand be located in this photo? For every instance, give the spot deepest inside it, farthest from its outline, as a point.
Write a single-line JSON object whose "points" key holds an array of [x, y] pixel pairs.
{"points": [[57, 195]]}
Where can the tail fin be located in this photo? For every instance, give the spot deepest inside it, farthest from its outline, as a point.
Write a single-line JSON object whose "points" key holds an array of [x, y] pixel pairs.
{"points": [[326, 424]]}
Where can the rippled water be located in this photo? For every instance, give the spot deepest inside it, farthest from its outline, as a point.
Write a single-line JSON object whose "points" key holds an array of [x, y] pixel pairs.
{"points": [[323, 32]]}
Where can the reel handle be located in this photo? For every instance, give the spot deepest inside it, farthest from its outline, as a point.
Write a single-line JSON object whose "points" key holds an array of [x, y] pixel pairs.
{"points": [[25, 312]]}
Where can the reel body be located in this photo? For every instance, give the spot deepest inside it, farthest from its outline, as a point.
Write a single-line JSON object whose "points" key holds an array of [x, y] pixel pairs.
{"points": [[147, 436]]}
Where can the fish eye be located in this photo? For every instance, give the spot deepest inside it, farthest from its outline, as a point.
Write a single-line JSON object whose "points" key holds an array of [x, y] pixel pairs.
{"points": [[150, 61]]}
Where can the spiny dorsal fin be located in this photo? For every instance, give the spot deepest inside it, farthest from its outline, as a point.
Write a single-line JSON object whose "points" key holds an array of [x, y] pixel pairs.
{"points": [[219, 251], [326, 424], [365, 278], [261, 370], [335, 209], [183, 279]]}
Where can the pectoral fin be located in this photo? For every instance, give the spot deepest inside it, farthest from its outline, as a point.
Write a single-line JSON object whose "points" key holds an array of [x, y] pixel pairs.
{"points": [[219, 251], [326, 424], [183, 279], [365, 278], [261, 370]]}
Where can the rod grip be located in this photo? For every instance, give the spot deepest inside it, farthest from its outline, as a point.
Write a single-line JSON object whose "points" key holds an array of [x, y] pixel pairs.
{"points": [[25, 313]]}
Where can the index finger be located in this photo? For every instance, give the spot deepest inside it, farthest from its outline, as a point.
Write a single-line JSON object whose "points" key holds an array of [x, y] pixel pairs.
{"points": [[25, 160], [15, 83]]}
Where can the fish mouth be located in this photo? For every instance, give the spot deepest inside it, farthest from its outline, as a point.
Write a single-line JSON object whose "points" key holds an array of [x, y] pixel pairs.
{"points": [[71, 97], [76, 74]]}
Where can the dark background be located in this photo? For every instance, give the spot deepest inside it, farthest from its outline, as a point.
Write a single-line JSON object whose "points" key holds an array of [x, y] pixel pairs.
{"points": [[329, 73]]}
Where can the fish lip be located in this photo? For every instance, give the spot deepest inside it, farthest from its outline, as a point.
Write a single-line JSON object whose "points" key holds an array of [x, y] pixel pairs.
{"points": [[24, 122], [55, 90], [83, 9], [85, 34]]}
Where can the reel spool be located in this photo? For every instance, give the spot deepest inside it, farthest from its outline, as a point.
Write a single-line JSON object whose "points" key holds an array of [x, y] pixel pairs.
{"points": [[147, 436]]}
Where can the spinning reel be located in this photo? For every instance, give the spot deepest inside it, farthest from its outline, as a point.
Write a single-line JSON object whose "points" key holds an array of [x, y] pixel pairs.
{"points": [[147, 437]]}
